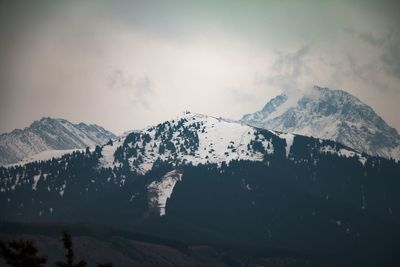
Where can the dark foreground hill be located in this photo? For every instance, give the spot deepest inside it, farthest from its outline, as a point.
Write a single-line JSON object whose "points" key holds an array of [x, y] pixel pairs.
{"points": [[98, 244]]}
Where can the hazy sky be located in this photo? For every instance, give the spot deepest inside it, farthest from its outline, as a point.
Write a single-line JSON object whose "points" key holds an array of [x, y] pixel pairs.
{"points": [[128, 64]]}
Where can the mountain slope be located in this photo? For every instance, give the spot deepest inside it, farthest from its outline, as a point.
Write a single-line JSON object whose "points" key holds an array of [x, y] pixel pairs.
{"points": [[156, 158], [206, 180], [199, 139], [329, 114], [160, 152], [49, 134]]}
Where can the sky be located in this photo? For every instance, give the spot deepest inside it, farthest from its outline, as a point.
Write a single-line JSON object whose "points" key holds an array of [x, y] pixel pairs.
{"points": [[129, 64]]}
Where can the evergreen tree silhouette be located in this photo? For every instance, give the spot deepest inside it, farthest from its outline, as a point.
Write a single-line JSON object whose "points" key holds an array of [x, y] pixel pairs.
{"points": [[69, 253], [21, 253]]}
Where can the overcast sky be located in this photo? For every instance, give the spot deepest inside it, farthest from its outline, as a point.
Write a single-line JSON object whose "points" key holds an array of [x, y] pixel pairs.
{"points": [[128, 64]]}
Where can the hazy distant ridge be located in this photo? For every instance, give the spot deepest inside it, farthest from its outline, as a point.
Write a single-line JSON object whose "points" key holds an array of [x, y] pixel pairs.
{"points": [[49, 134]]}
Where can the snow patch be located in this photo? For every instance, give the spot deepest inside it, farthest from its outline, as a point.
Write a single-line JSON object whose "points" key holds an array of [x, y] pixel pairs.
{"points": [[36, 179], [160, 191], [108, 151], [344, 153], [44, 155], [62, 190], [289, 141]]}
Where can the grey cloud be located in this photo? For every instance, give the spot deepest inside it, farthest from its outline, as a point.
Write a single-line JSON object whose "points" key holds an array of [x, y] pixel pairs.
{"points": [[142, 90], [240, 95], [289, 68], [138, 87], [389, 48], [349, 30], [372, 39], [118, 80], [356, 69], [294, 61], [391, 55], [143, 85], [367, 72]]}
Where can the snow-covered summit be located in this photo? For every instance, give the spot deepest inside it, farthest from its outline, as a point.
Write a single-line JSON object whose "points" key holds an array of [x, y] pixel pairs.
{"points": [[200, 139], [49, 134], [329, 114], [192, 137]]}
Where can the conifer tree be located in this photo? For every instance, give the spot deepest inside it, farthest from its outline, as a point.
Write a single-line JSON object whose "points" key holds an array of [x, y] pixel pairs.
{"points": [[69, 253], [21, 253]]}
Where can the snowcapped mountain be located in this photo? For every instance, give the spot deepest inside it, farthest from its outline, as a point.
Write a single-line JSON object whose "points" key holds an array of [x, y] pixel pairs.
{"points": [[188, 140], [191, 138], [199, 139], [49, 134], [204, 179], [329, 114]]}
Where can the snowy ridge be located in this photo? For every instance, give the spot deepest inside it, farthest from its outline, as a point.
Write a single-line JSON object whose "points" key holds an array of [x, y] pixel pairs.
{"points": [[49, 134], [195, 138], [329, 114], [191, 139], [198, 139]]}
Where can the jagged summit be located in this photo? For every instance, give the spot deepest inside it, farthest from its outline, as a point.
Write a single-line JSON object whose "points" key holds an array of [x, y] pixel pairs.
{"points": [[329, 114], [49, 134]]}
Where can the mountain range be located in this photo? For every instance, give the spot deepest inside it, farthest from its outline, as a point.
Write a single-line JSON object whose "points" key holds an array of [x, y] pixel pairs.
{"points": [[47, 137], [206, 180], [329, 114]]}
